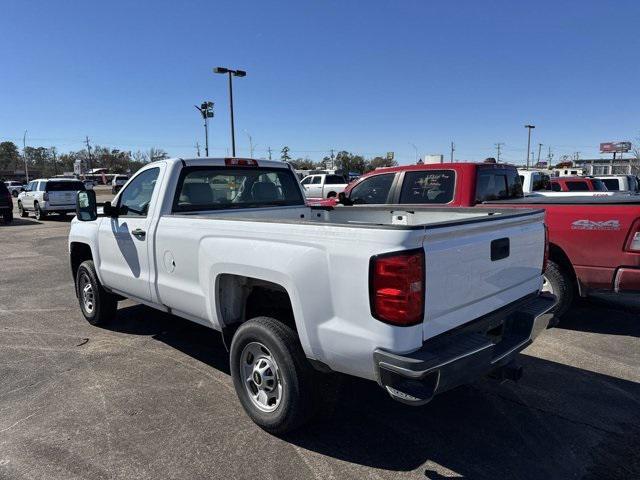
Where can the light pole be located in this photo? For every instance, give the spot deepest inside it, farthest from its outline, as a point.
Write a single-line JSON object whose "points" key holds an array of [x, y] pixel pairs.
{"points": [[206, 110], [416, 149], [235, 73], [530, 127], [250, 143]]}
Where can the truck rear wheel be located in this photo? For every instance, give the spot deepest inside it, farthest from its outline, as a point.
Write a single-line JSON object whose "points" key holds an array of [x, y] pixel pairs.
{"points": [[559, 282], [271, 375], [97, 305], [40, 214]]}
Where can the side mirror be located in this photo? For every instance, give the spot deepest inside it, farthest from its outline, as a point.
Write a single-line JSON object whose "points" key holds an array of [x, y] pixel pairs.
{"points": [[109, 210], [86, 207], [344, 200]]}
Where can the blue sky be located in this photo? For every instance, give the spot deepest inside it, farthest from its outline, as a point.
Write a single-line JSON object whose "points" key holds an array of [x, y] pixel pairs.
{"points": [[365, 76]]}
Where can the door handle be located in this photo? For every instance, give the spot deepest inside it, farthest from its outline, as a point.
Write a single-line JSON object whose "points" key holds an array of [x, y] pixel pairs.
{"points": [[138, 232]]}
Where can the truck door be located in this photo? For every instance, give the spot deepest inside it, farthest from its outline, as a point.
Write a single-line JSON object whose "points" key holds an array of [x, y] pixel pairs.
{"points": [[314, 189], [123, 241]]}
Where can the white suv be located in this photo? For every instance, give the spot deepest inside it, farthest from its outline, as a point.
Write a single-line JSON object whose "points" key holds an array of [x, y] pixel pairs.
{"points": [[44, 196]]}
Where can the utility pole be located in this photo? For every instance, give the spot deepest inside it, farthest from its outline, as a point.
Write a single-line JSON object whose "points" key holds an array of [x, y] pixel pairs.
{"points": [[269, 150], [416, 149], [24, 155], [197, 148], [453, 149], [498, 148], [89, 153], [529, 127], [250, 143], [206, 110], [539, 149], [549, 157], [332, 160]]}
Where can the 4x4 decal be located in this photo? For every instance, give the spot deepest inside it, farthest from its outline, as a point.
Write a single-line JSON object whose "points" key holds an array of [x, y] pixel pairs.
{"points": [[593, 225]]}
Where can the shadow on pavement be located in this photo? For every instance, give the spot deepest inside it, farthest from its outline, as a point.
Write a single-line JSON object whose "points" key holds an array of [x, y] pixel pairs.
{"points": [[20, 221], [601, 316], [558, 422]]}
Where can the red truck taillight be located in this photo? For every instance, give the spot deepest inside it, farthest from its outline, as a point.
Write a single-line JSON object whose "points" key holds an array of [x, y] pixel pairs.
{"points": [[396, 287], [633, 240]]}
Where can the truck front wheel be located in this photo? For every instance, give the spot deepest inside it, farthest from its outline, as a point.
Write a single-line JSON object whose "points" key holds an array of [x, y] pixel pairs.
{"points": [[559, 282], [97, 305], [271, 375]]}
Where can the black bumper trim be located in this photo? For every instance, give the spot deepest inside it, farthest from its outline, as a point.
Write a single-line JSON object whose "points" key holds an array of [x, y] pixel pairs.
{"points": [[465, 353]]}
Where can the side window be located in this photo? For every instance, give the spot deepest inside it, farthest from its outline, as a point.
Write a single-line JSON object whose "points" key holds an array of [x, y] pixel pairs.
{"points": [[41, 186], [306, 181], [428, 186], [491, 186], [317, 180], [577, 186], [555, 187], [334, 180], [134, 200], [372, 190], [540, 182]]}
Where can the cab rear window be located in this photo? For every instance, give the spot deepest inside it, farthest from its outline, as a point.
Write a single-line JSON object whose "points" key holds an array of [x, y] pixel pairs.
{"points": [[428, 186], [212, 188], [54, 186]]}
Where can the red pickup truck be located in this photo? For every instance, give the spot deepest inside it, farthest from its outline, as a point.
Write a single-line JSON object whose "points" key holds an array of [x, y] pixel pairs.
{"points": [[577, 184], [594, 242]]}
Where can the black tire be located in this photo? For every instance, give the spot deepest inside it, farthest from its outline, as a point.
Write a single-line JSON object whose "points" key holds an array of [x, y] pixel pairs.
{"points": [[332, 194], [104, 304], [562, 285], [7, 217], [40, 215], [23, 212], [296, 376]]}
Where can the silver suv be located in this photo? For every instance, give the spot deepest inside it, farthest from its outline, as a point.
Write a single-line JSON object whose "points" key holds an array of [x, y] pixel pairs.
{"points": [[53, 195]]}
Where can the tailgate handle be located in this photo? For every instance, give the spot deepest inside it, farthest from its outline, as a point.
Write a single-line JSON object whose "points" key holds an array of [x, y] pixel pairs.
{"points": [[499, 249]]}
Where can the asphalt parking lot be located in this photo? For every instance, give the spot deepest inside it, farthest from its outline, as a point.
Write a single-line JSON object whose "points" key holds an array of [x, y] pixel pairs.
{"points": [[150, 396]]}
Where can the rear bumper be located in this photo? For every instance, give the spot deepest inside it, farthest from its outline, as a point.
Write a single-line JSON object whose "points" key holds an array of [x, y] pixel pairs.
{"points": [[464, 354], [627, 280], [59, 208]]}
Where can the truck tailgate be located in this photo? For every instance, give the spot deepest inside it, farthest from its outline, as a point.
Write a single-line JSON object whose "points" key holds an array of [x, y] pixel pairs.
{"points": [[474, 269]]}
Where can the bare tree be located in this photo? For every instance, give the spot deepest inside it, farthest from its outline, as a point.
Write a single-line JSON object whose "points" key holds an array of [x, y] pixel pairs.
{"points": [[156, 154]]}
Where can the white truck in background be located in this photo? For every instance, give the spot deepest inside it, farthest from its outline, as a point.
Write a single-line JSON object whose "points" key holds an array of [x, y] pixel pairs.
{"points": [[419, 300], [323, 185]]}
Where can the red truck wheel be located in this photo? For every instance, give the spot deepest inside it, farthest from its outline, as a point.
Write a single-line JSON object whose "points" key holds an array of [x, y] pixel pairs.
{"points": [[559, 282]]}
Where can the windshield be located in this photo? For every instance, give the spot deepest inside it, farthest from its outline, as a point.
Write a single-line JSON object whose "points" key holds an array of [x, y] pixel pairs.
{"points": [[210, 188]]}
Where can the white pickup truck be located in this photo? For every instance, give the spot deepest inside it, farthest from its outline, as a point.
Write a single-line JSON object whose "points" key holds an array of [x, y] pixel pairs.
{"points": [[323, 185], [418, 300]]}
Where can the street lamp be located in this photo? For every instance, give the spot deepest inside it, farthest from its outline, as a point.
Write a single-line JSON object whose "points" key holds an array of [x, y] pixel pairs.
{"points": [[530, 127], [235, 73], [206, 110]]}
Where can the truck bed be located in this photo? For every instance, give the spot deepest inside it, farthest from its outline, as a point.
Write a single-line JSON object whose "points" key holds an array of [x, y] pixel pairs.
{"points": [[401, 217]]}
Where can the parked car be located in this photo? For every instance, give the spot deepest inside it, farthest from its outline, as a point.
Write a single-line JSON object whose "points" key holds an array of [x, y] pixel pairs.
{"points": [[323, 185], [594, 242], [299, 291], [118, 182], [89, 184], [6, 204], [49, 195], [14, 187], [620, 183]]}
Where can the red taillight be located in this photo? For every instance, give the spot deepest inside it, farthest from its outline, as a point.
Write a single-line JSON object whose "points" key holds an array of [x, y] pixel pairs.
{"points": [[240, 162], [546, 249], [397, 287], [633, 240]]}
